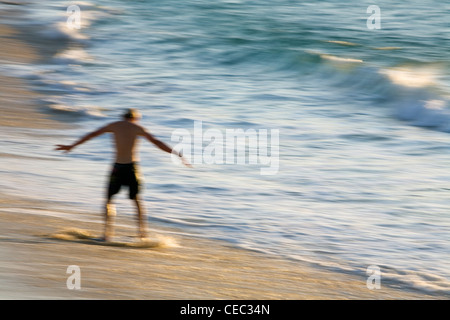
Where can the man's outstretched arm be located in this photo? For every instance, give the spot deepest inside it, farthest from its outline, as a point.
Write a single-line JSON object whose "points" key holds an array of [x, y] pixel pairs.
{"points": [[87, 137], [164, 147]]}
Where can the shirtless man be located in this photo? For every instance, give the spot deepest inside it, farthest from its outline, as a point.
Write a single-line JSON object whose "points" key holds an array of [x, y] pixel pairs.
{"points": [[125, 169]]}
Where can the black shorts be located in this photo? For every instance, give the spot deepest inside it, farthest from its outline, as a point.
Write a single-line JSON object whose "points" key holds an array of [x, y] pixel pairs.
{"points": [[124, 175]]}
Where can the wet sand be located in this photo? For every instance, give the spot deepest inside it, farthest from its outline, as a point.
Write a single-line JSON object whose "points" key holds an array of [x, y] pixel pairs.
{"points": [[33, 264], [19, 106]]}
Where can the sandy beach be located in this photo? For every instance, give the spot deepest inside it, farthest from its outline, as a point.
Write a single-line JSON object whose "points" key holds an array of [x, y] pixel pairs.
{"points": [[33, 263], [24, 111], [33, 266]]}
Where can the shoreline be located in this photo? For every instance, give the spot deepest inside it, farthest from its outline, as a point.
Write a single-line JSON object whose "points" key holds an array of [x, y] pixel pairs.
{"points": [[33, 265], [18, 103]]}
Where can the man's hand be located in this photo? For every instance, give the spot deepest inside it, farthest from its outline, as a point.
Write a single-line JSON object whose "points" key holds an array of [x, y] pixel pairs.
{"points": [[185, 162], [65, 148]]}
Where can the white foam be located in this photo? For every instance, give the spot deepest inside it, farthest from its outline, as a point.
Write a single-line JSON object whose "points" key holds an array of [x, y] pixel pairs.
{"points": [[425, 282], [425, 113], [91, 111], [85, 236], [412, 92], [343, 43], [72, 55], [331, 57], [54, 23], [411, 77], [61, 31], [340, 59]]}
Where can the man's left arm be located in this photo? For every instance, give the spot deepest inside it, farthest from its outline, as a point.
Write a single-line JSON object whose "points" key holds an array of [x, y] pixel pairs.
{"points": [[161, 145]]}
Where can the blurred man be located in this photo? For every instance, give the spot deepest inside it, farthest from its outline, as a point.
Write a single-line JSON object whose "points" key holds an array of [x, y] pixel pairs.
{"points": [[125, 170]]}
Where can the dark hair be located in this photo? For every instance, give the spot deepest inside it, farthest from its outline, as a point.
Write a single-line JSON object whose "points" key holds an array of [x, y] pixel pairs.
{"points": [[131, 114]]}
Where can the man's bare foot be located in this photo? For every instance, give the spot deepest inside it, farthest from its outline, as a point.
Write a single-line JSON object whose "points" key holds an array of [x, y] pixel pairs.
{"points": [[143, 238], [105, 238]]}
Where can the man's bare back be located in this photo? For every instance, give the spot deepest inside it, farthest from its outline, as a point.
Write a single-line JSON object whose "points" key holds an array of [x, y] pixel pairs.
{"points": [[126, 136]]}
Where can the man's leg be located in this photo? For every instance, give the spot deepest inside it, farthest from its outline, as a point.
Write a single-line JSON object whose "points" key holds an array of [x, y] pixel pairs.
{"points": [[141, 218], [110, 212], [115, 183], [135, 189]]}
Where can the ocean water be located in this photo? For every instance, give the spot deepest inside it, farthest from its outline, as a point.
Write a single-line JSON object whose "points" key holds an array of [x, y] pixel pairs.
{"points": [[363, 117]]}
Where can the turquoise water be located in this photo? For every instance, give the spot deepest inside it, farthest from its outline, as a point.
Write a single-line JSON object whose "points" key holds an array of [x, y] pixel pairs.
{"points": [[363, 118]]}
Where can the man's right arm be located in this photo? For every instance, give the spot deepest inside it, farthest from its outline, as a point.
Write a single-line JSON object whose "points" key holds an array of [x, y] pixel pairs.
{"points": [[87, 137]]}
